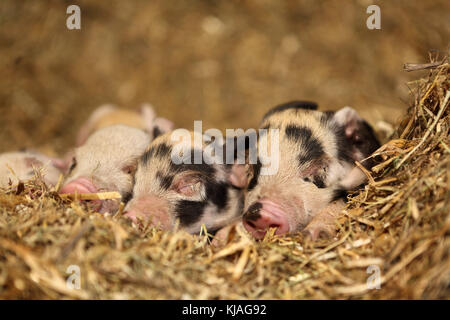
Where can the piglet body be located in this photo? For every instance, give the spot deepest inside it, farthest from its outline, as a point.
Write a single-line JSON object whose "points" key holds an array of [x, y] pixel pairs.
{"points": [[108, 115], [23, 164]]}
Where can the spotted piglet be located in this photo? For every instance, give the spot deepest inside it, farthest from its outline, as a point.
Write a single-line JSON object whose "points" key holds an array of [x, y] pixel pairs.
{"points": [[171, 186], [21, 166], [317, 154]]}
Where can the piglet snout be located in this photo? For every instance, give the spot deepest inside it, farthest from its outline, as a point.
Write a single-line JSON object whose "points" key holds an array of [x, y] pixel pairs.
{"points": [[263, 215], [80, 185], [150, 209]]}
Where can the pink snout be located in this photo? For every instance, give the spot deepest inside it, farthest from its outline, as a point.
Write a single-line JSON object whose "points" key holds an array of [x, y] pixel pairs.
{"points": [[263, 215], [81, 185], [150, 209]]}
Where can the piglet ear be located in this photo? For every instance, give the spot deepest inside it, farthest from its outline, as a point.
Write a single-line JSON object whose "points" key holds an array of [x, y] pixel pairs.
{"points": [[155, 126], [238, 176], [59, 164], [359, 134], [33, 162], [161, 126], [64, 163], [148, 115], [187, 184], [350, 120], [235, 151]]}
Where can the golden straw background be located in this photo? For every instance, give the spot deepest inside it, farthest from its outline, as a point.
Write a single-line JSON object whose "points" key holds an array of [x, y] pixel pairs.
{"points": [[223, 62]]}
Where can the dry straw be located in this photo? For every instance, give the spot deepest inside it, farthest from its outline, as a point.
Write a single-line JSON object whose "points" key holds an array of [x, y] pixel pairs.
{"points": [[397, 227]]}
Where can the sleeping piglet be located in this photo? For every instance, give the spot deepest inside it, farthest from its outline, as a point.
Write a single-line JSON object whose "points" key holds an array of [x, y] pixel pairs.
{"points": [[168, 191], [23, 165], [317, 151], [108, 115], [106, 162]]}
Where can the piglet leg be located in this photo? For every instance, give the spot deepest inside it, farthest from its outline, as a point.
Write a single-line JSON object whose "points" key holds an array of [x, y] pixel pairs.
{"points": [[324, 223], [226, 234]]}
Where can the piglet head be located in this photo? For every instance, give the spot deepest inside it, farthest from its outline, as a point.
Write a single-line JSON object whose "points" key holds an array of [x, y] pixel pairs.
{"points": [[106, 162], [167, 192], [157, 207], [288, 199], [316, 154]]}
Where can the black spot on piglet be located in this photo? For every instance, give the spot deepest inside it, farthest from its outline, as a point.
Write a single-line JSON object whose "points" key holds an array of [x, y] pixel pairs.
{"points": [[189, 212], [365, 140], [160, 151], [339, 194], [156, 132], [319, 182], [217, 192], [256, 172], [165, 181], [311, 147], [253, 212], [306, 105]]}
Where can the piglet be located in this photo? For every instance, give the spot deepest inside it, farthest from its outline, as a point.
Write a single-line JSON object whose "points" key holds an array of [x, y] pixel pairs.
{"points": [[316, 166], [106, 162], [21, 166], [107, 115], [169, 192]]}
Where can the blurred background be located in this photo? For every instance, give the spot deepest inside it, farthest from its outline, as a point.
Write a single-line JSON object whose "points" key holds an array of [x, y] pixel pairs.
{"points": [[223, 62]]}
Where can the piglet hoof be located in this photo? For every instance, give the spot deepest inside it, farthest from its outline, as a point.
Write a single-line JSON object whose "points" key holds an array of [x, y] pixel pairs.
{"points": [[317, 230], [223, 236], [227, 234]]}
